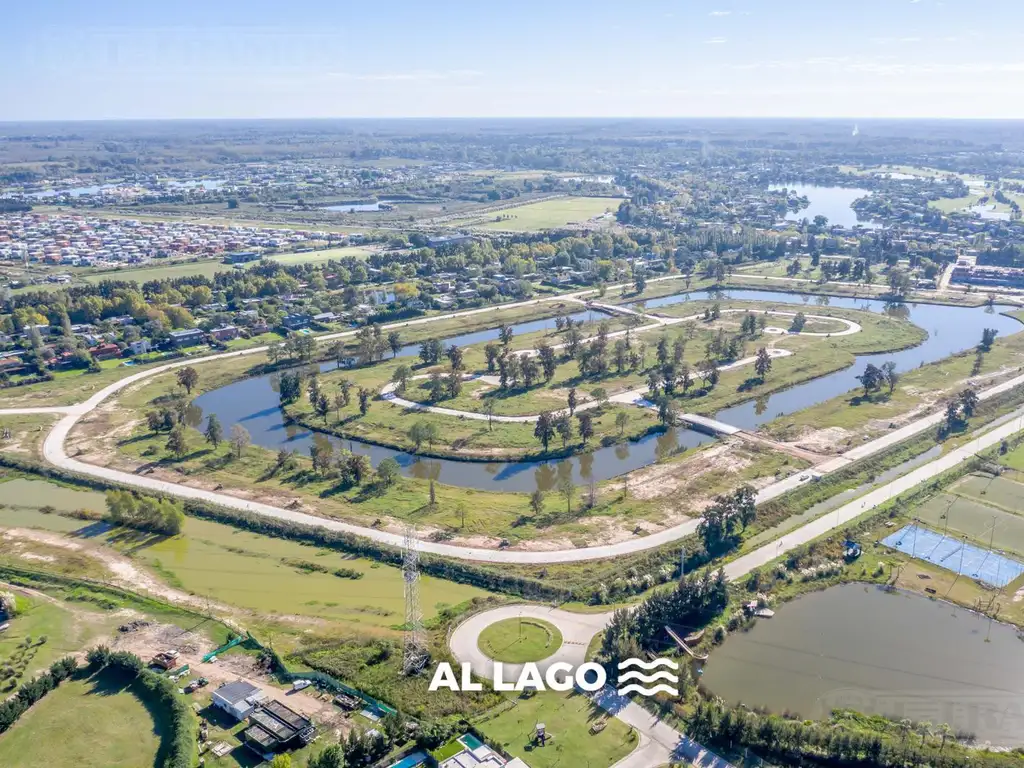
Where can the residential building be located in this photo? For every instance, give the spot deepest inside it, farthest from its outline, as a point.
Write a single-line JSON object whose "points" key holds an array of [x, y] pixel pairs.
{"points": [[186, 338], [296, 321], [225, 333]]}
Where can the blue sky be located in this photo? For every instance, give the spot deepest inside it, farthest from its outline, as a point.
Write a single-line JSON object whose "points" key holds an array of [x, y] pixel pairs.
{"points": [[105, 59]]}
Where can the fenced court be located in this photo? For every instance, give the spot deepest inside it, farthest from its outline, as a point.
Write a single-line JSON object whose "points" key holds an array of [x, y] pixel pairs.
{"points": [[1000, 491], [955, 554], [985, 525]]}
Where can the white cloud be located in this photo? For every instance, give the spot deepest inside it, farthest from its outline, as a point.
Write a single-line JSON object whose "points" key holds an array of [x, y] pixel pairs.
{"points": [[715, 41], [720, 13]]}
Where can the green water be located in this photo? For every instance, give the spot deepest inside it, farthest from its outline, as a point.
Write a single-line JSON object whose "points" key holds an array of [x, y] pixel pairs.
{"points": [[21, 498]]}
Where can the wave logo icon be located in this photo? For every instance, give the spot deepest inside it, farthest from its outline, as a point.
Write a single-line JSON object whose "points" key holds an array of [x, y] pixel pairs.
{"points": [[659, 669]]}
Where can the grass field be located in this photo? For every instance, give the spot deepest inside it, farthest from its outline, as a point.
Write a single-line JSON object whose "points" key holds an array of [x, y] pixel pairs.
{"points": [[974, 520], [83, 724], [568, 717], [519, 640], [550, 213], [64, 632], [999, 492], [317, 257], [251, 571]]}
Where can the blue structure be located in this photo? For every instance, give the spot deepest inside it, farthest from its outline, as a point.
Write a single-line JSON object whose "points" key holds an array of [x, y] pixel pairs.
{"points": [[955, 554]]}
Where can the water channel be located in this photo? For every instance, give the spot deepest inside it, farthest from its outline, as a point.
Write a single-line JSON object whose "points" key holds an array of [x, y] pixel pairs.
{"points": [[859, 647], [253, 402]]}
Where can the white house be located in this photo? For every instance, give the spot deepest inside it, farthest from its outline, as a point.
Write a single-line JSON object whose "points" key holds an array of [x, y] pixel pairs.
{"points": [[238, 699]]}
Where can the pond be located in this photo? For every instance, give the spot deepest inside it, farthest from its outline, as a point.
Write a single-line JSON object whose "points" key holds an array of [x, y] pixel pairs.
{"points": [[834, 203], [859, 647], [253, 403], [359, 207]]}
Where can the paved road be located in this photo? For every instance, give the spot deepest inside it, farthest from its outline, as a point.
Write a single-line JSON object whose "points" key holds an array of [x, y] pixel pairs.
{"points": [[659, 741]]}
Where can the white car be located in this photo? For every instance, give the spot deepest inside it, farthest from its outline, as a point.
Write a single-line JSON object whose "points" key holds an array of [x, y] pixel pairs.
{"points": [[298, 685]]}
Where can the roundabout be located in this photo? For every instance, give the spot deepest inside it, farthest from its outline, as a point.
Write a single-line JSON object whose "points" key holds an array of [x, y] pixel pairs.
{"points": [[520, 640]]}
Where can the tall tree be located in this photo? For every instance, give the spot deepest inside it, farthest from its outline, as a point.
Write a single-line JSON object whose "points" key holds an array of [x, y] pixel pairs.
{"points": [[395, 343], [239, 440], [214, 431], [177, 443], [763, 363], [188, 377], [544, 429]]}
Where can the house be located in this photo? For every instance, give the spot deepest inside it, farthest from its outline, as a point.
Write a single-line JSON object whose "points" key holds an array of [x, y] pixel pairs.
{"points": [[187, 338], [238, 699], [106, 351], [140, 347], [225, 333], [296, 321], [274, 726], [326, 317]]}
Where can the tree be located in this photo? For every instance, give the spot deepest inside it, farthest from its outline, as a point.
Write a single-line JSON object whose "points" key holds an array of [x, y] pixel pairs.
{"points": [[640, 282], [188, 377], [388, 472], [563, 426], [899, 282], [321, 455], [537, 501], [871, 379], [492, 352], [214, 432], [177, 443], [799, 321], [968, 402], [547, 360], [505, 335], [333, 756], [666, 411], [621, 421], [281, 761], [455, 357], [239, 440], [988, 336], [889, 374], [423, 432], [345, 390], [763, 363], [400, 378], [364, 400], [567, 488], [489, 410], [544, 430], [571, 400], [322, 406], [290, 387], [395, 343], [944, 732], [586, 426], [154, 421], [431, 351]]}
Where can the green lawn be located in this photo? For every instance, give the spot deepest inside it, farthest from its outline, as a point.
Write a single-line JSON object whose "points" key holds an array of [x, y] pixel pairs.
{"points": [[550, 213], [568, 718], [205, 268], [519, 640], [83, 724], [316, 257]]}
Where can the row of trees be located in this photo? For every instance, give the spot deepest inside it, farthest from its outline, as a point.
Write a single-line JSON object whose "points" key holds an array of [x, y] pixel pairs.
{"points": [[35, 689], [550, 424], [726, 517]]}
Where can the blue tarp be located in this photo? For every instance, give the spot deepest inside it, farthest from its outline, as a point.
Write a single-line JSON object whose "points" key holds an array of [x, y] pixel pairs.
{"points": [[955, 554]]}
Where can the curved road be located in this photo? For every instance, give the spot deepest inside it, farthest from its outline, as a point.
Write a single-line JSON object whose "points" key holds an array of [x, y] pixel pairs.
{"points": [[54, 452]]}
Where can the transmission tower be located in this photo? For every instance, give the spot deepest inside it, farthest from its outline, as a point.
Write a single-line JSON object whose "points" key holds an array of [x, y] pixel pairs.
{"points": [[415, 654]]}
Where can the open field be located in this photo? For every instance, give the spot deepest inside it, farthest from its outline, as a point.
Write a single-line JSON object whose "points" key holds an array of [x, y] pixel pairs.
{"points": [[55, 632], [549, 214], [568, 718], [316, 257], [84, 724], [519, 640]]}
